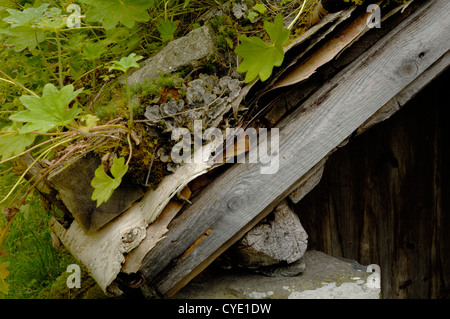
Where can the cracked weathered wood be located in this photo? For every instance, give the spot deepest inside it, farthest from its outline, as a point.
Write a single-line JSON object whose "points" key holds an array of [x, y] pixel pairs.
{"points": [[239, 198]]}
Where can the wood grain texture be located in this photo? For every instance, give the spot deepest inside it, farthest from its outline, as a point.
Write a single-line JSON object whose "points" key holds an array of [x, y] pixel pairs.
{"points": [[35, 175], [154, 232], [408, 93], [242, 196]]}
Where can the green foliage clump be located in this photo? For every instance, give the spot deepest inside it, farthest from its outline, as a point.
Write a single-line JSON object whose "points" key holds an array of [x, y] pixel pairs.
{"points": [[33, 263], [88, 290], [59, 97]]}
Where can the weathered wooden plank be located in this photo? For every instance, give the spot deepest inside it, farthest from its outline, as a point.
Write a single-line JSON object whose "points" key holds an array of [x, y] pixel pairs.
{"points": [[36, 176], [242, 196], [409, 92], [154, 232]]}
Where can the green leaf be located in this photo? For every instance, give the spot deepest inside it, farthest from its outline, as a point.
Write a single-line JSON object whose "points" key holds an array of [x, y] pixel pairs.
{"points": [[105, 185], [113, 12], [93, 51], [252, 15], [125, 63], [49, 111], [24, 37], [259, 58], [90, 120], [53, 20], [19, 18], [14, 143], [278, 34], [261, 8], [166, 29], [118, 169]]}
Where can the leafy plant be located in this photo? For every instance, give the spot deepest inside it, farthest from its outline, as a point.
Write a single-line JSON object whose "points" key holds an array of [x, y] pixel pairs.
{"points": [[93, 51], [255, 12], [14, 143], [105, 185], [166, 29], [260, 57], [124, 65], [59, 95], [22, 32], [49, 111], [261, 8], [18, 18], [111, 13]]}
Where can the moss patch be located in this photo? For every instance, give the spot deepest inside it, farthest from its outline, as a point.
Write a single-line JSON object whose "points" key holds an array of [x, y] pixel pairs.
{"points": [[89, 288]]}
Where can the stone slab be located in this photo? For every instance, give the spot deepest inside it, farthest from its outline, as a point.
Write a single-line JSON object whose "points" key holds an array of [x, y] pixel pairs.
{"points": [[191, 50], [325, 277]]}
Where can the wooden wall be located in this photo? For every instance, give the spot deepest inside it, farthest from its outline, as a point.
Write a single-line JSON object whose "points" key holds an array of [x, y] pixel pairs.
{"points": [[385, 198]]}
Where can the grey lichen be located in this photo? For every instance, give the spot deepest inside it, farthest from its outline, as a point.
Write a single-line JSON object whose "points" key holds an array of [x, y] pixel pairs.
{"points": [[207, 98]]}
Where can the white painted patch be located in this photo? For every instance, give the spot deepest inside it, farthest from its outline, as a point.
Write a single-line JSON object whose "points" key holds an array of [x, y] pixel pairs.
{"points": [[347, 290]]}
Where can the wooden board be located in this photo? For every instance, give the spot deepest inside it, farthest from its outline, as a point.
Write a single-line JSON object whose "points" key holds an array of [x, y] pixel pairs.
{"points": [[242, 196], [408, 93]]}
